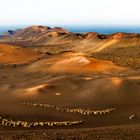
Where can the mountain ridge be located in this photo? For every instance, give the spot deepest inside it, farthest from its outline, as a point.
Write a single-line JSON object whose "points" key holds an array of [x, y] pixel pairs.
{"points": [[114, 47]]}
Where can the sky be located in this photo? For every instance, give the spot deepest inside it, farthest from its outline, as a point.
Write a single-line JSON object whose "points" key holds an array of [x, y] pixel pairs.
{"points": [[70, 12]]}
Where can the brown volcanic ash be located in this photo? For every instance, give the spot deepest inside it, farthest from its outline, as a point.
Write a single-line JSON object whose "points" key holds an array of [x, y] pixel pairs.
{"points": [[72, 74], [34, 35], [74, 63], [79, 63], [15, 55], [34, 32], [121, 48]]}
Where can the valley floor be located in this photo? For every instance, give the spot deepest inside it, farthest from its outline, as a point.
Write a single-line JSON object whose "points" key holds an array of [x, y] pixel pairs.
{"points": [[130, 132], [68, 96]]}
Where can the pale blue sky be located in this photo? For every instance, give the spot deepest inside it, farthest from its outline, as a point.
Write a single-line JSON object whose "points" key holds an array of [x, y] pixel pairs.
{"points": [[70, 12]]}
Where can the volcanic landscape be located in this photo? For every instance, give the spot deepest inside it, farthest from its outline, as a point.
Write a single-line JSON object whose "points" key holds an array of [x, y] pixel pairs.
{"points": [[55, 84]]}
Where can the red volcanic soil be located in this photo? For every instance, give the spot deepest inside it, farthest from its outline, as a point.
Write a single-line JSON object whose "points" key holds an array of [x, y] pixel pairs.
{"points": [[15, 55], [74, 63], [79, 63], [84, 78]]}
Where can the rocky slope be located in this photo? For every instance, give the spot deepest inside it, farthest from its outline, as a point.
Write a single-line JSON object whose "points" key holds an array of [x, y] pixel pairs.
{"points": [[53, 80], [121, 48]]}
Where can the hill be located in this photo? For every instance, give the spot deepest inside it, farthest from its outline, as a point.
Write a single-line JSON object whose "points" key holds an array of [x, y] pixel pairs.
{"points": [[121, 48], [16, 55]]}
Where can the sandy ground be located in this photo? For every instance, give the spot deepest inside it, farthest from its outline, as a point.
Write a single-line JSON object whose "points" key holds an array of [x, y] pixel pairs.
{"points": [[48, 91], [16, 55], [107, 133]]}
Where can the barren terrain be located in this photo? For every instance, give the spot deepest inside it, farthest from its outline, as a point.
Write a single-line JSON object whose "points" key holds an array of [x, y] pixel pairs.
{"points": [[55, 84]]}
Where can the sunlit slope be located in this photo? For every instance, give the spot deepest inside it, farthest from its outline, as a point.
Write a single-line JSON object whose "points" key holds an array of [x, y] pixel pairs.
{"points": [[73, 63], [15, 55], [123, 52]]}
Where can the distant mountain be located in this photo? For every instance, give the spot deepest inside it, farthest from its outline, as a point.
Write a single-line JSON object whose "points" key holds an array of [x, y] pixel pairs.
{"points": [[9, 33], [114, 47], [33, 35], [44, 35]]}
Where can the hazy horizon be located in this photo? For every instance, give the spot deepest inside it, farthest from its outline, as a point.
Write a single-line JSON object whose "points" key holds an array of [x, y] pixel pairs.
{"points": [[80, 29]]}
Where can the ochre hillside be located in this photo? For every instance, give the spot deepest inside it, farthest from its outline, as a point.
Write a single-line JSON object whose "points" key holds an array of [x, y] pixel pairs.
{"points": [[73, 63], [15, 55]]}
